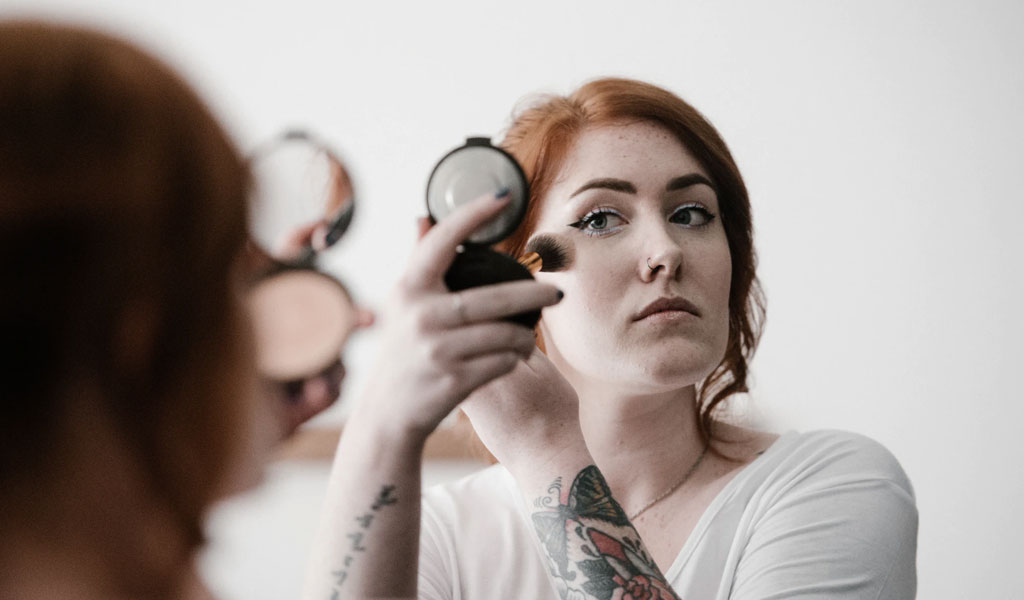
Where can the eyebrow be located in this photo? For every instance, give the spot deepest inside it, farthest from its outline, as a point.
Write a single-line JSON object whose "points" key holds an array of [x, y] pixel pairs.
{"points": [[616, 185], [621, 185], [686, 181]]}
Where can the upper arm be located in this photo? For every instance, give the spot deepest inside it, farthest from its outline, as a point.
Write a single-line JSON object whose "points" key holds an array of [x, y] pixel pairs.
{"points": [[844, 526]]}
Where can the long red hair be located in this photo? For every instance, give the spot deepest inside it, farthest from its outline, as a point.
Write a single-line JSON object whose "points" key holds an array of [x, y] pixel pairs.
{"points": [[540, 138]]}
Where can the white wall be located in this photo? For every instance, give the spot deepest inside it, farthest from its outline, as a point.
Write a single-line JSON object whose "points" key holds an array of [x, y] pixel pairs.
{"points": [[881, 142]]}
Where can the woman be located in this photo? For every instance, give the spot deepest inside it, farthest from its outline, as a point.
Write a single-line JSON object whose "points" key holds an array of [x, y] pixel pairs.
{"points": [[624, 472], [616, 477]]}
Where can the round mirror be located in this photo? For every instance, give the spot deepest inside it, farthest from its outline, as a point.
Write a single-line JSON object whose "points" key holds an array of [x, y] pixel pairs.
{"points": [[303, 197], [470, 171], [303, 202]]}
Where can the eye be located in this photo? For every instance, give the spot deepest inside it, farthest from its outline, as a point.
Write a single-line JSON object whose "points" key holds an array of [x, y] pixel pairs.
{"points": [[599, 221], [692, 215]]}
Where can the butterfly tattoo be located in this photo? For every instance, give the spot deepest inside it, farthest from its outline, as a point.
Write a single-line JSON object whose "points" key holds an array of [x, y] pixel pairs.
{"points": [[589, 497]]}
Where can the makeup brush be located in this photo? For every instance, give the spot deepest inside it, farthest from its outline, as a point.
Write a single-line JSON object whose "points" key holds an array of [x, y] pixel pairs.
{"points": [[547, 253], [532, 261]]}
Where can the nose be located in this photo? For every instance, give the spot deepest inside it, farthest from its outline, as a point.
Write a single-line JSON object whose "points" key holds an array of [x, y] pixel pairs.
{"points": [[663, 257]]}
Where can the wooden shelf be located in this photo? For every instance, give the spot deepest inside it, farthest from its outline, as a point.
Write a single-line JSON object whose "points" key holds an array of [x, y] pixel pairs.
{"points": [[456, 442]]}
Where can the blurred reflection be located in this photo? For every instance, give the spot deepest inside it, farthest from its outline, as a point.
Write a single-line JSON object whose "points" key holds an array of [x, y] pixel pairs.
{"points": [[303, 203]]}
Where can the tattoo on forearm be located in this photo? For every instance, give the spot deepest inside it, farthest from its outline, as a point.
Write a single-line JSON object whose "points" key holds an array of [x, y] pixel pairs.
{"points": [[385, 497], [594, 550]]}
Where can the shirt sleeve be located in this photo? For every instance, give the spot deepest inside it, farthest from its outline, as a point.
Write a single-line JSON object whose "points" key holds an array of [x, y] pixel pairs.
{"points": [[842, 525], [434, 581]]}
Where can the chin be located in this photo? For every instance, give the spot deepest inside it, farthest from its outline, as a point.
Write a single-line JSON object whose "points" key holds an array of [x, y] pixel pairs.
{"points": [[678, 367]]}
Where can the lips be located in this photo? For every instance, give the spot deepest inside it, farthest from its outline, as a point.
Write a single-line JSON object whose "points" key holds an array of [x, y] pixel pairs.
{"points": [[665, 305]]}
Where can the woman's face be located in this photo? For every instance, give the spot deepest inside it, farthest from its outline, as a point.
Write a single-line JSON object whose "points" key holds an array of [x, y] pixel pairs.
{"points": [[643, 219]]}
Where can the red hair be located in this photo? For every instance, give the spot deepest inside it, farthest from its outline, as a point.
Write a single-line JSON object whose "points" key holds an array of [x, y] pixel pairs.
{"points": [[123, 211], [540, 138]]}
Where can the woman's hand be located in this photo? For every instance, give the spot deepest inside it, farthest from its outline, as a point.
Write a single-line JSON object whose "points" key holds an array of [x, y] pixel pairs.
{"points": [[527, 417], [438, 346]]}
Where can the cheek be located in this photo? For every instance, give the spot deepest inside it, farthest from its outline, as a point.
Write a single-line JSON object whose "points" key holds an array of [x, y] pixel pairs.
{"points": [[584, 323], [721, 267], [716, 282]]}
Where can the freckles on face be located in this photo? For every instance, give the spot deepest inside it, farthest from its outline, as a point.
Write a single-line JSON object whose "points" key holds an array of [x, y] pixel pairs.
{"points": [[628, 196]]}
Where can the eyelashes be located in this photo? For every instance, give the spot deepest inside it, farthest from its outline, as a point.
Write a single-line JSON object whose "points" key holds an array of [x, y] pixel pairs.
{"points": [[692, 215], [604, 221], [596, 222]]}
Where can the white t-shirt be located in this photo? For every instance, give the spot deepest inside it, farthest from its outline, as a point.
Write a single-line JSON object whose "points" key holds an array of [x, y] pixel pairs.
{"points": [[822, 514]]}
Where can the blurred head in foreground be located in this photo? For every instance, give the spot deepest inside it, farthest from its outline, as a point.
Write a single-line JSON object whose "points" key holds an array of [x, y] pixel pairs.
{"points": [[128, 384]]}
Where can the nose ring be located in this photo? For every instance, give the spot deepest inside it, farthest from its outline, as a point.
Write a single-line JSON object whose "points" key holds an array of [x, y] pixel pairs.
{"points": [[653, 269]]}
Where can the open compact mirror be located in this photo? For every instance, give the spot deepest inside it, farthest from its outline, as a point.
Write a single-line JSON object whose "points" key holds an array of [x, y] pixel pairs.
{"points": [[302, 203], [468, 172]]}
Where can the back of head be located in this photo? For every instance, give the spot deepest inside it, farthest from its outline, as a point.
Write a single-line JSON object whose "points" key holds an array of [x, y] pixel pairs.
{"points": [[122, 216]]}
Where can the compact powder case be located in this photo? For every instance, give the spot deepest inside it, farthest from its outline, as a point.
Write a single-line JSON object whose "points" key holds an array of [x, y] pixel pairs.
{"points": [[303, 203], [468, 172]]}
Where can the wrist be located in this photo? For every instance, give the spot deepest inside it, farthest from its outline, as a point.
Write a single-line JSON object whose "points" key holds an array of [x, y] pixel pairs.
{"points": [[387, 430], [563, 456]]}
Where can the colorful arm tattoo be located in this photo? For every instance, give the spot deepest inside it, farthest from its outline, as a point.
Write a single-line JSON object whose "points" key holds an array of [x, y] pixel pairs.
{"points": [[594, 550]]}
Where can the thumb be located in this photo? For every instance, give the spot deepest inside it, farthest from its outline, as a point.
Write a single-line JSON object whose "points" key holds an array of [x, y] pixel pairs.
{"points": [[423, 225]]}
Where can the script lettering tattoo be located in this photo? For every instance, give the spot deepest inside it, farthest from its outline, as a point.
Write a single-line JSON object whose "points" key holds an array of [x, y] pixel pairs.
{"points": [[385, 497], [594, 550]]}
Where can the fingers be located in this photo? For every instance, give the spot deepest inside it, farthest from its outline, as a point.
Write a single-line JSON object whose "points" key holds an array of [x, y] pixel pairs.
{"points": [[423, 225], [364, 317], [491, 302], [437, 248], [486, 338], [293, 243], [481, 370]]}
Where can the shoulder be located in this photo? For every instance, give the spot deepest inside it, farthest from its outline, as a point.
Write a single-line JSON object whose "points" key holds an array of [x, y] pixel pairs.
{"points": [[829, 508], [838, 477], [831, 456]]}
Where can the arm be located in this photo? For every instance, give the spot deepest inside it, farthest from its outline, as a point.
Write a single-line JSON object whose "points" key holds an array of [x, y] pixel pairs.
{"points": [[366, 546], [592, 549], [436, 348], [529, 421]]}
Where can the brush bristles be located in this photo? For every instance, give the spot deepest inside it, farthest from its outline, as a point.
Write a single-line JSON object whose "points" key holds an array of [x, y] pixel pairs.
{"points": [[554, 254]]}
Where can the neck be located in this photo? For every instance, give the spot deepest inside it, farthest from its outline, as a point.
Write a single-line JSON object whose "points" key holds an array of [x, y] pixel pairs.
{"points": [[642, 443]]}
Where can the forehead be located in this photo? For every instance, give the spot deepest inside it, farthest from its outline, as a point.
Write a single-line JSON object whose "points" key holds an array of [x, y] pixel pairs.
{"points": [[643, 153]]}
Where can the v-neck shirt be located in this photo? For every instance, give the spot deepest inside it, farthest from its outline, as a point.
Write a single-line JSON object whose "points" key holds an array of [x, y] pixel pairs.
{"points": [[820, 514]]}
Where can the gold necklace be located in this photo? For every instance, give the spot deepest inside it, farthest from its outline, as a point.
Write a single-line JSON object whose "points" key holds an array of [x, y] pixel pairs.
{"points": [[675, 486]]}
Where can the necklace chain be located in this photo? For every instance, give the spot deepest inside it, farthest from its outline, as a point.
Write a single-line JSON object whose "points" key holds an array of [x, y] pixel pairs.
{"points": [[675, 486]]}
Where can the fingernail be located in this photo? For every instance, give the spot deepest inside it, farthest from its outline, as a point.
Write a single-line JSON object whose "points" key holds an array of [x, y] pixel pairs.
{"points": [[501, 194], [561, 295]]}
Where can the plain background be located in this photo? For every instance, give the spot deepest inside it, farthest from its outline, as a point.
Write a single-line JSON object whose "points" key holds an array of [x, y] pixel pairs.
{"points": [[881, 142]]}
